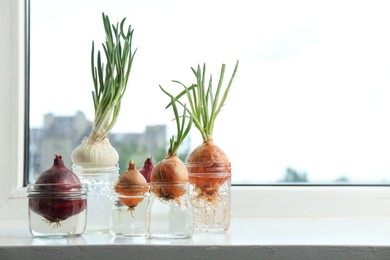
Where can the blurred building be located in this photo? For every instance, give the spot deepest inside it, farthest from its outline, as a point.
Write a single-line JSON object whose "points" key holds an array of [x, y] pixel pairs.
{"points": [[62, 134]]}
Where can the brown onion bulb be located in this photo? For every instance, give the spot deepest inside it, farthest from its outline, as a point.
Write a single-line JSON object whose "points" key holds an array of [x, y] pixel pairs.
{"points": [[168, 173], [131, 183], [208, 167]]}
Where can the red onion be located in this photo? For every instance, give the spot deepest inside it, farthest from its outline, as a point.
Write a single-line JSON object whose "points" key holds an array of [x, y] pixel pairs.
{"points": [[53, 201], [58, 174], [55, 210], [147, 169]]}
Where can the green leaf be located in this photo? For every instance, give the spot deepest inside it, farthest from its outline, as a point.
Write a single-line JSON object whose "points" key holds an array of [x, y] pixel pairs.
{"points": [[205, 104], [110, 80]]}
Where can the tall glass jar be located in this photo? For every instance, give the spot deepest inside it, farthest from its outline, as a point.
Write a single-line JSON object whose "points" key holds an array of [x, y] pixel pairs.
{"points": [[100, 182], [210, 193], [57, 210], [169, 213], [128, 207]]}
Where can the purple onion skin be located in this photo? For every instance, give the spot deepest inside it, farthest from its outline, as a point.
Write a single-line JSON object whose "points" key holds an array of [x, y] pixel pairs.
{"points": [[54, 209], [58, 174], [147, 169]]}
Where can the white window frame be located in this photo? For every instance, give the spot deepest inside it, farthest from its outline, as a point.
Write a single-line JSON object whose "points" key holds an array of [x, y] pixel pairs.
{"points": [[12, 103], [247, 201]]}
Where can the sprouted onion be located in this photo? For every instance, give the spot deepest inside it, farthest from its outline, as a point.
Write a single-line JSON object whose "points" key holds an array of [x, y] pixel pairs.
{"points": [[210, 166], [171, 173], [110, 82]]}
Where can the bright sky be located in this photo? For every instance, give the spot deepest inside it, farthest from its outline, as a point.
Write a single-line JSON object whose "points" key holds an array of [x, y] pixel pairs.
{"points": [[311, 93]]}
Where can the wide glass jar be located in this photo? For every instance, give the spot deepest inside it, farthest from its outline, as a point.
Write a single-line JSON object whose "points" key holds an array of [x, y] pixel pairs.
{"points": [[100, 182], [57, 210], [169, 213], [128, 206], [210, 194]]}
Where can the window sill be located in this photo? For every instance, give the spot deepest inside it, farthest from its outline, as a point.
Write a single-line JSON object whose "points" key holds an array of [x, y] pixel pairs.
{"points": [[303, 238], [274, 222]]}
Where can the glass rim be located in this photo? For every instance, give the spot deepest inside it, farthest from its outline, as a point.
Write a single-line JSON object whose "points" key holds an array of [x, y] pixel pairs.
{"points": [[92, 168], [209, 174], [138, 190], [131, 185], [47, 189], [137, 195], [208, 164], [169, 183]]}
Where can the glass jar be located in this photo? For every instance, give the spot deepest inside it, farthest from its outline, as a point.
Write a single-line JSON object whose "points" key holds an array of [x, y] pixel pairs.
{"points": [[57, 210], [169, 213], [210, 194], [100, 182], [128, 207]]}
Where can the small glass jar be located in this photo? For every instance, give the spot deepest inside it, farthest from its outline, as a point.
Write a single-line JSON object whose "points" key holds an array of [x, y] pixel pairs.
{"points": [[210, 193], [169, 213], [128, 210], [100, 182], [57, 210]]}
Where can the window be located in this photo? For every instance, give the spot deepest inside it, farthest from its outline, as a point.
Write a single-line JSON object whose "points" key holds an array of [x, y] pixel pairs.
{"points": [[309, 103], [270, 201]]}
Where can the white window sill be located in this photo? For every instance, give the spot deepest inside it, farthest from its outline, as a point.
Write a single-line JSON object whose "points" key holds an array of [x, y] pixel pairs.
{"points": [[246, 239], [275, 223]]}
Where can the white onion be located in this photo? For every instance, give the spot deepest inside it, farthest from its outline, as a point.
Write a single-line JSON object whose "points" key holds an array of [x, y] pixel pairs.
{"points": [[95, 154]]}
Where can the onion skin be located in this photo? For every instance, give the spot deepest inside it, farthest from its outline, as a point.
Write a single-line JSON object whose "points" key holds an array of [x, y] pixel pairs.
{"points": [[95, 153], [131, 183], [208, 152], [167, 173], [54, 209], [58, 174], [208, 167], [147, 169]]}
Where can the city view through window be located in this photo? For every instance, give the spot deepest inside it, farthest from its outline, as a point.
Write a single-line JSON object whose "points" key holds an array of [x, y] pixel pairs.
{"points": [[310, 102]]}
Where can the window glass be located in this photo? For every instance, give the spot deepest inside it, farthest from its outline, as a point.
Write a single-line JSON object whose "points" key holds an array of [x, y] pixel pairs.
{"points": [[309, 104]]}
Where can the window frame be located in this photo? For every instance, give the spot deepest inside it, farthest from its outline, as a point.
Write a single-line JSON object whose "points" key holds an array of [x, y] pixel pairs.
{"points": [[247, 200], [12, 107]]}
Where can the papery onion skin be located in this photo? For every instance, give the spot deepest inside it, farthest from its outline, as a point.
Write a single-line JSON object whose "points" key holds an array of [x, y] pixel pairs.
{"points": [[170, 170], [49, 206], [131, 183], [207, 160], [147, 168], [95, 154], [59, 174]]}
